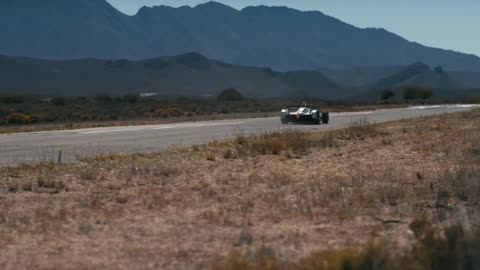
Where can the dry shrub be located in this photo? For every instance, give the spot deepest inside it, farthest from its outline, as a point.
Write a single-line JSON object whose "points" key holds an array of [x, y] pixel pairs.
{"points": [[241, 139], [345, 196], [277, 180], [373, 257], [164, 170], [359, 131], [463, 181], [420, 226], [273, 143], [245, 237], [154, 199], [236, 261], [89, 174], [325, 140], [386, 142], [229, 154], [121, 198], [452, 250], [475, 144], [441, 126], [48, 182], [13, 186], [94, 201], [18, 185]]}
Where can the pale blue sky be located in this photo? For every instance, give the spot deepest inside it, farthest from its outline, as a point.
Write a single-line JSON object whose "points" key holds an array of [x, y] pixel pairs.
{"points": [[447, 24]]}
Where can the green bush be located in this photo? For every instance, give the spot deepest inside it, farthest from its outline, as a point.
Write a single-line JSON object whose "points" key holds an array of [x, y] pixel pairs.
{"points": [[425, 93], [131, 98], [230, 94], [12, 99], [412, 93], [17, 118], [59, 101], [387, 94]]}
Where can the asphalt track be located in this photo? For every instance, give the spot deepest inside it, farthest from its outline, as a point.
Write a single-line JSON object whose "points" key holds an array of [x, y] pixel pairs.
{"points": [[45, 146]]}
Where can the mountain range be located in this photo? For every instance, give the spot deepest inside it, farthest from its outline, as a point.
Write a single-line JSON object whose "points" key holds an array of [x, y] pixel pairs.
{"points": [[278, 37], [194, 75], [189, 74]]}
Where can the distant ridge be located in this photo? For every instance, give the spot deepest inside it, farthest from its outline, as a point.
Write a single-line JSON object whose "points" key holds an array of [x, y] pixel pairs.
{"points": [[278, 37], [189, 74], [418, 74]]}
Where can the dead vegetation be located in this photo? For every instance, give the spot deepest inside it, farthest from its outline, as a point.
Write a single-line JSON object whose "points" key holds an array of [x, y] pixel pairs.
{"points": [[452, 250], [282, 200]]}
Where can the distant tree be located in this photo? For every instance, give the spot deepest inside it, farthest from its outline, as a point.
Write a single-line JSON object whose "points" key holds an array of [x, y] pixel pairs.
{"points": [[439, 70], [12, 99], [131, 98], [103, 99], [59, 101], [80, 100], [387, 94], [187, 100], [230, 94], [425, 93], [17, 118], [269, 71], [410, 93]]}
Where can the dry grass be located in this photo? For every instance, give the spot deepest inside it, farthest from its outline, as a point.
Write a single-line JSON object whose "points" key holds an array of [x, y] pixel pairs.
{"points": [[287, 194], [288, 142], [274, 143], [453, 250]]}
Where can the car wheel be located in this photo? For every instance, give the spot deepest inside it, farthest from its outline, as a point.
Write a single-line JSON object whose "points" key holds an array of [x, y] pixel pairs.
{"points": [[318, 120], [325, 118]]}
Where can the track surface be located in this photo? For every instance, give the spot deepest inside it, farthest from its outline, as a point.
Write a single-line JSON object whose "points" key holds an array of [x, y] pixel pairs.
{"points": [[45, 146]]}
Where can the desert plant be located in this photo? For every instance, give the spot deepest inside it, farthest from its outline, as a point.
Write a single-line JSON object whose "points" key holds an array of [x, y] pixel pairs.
{"points": [[387, 94], [452, 251], [273, 143], [18, 118], [230, 94], [59, 101], [413, 92], [360, 130]]}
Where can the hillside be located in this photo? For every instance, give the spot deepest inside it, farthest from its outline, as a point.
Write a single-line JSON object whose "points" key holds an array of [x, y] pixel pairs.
{"points": [[277, 37], [418, 74], [188, 75], [360, 76]]}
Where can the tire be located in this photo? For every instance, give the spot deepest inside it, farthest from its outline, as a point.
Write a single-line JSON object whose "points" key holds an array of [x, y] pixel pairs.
{"points": [[284, 121], [318, 120], [325, 118]]}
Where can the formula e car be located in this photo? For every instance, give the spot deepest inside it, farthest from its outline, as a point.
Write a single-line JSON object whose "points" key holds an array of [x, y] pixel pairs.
{"points": [[303, 114]]}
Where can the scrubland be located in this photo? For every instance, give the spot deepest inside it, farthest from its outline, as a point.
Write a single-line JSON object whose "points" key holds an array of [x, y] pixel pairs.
{"points": [[27, 114], [401, 195]]}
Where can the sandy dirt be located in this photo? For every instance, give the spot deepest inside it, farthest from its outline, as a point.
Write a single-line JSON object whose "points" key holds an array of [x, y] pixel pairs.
{"points": [[181, 208]]}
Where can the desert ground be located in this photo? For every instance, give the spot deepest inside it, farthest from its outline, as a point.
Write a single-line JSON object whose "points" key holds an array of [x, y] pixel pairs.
{"points": [[284, 196]]}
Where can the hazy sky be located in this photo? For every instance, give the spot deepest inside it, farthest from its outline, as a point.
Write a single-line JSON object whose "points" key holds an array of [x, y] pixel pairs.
{"points": [[448, 24]]}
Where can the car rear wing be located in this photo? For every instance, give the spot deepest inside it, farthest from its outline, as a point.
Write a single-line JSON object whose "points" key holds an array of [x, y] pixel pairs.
{"points": [[296, 107]]}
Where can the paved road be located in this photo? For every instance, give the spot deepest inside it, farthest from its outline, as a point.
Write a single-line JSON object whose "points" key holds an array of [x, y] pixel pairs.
{"points": [[44, 146]]}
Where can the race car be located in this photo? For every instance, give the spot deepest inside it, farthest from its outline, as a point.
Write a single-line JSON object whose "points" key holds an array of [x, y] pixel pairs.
{"points": [[303, 114]]}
